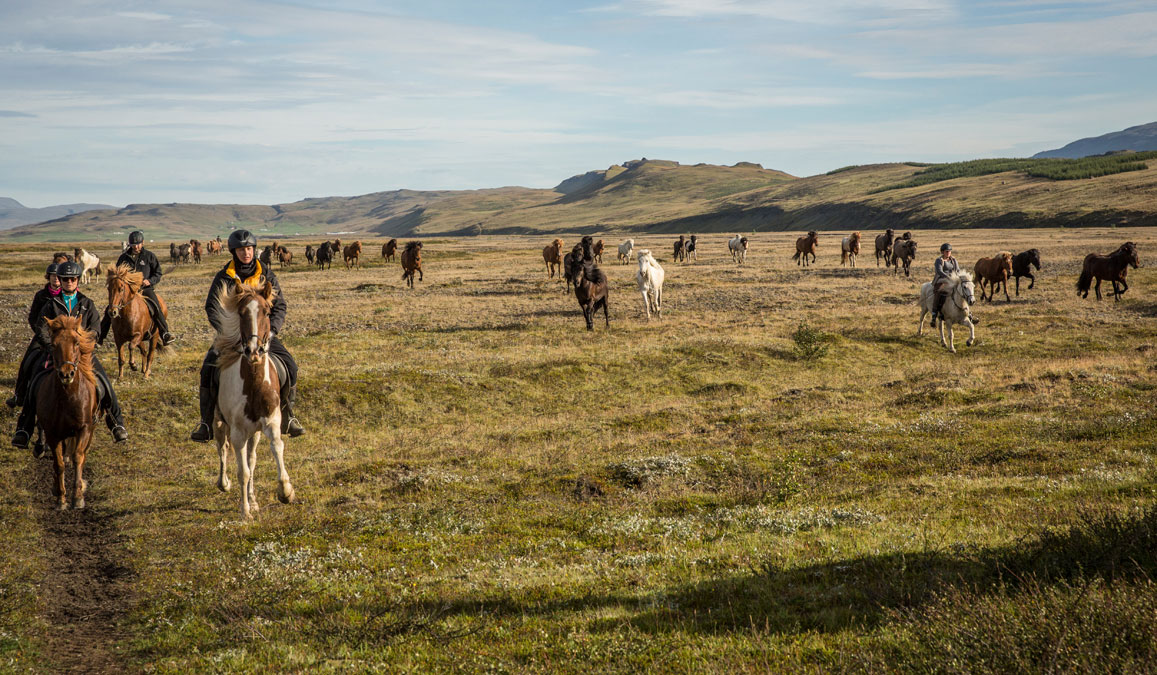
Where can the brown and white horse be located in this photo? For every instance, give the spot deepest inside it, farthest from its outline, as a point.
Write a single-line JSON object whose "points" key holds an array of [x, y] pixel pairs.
{"points": [[67, 404], [132, 324], [850, 248], [214, 246], [249, 395], [89, 264]]}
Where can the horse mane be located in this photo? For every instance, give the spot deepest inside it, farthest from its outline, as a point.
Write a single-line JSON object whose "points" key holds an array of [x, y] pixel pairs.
{"points": [[85, 341], [126, 275], [229, 334], [594, 274], [959, 277], [417, 244]]}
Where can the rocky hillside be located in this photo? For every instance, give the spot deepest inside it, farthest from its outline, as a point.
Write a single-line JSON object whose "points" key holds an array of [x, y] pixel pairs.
{"points": [[1138, 139]]}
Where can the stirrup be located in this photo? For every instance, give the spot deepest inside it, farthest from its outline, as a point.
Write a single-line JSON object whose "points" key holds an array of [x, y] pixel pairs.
{"points": [[198, 436], [167, 339], [20, 439], [293, 428], [12, 401]]}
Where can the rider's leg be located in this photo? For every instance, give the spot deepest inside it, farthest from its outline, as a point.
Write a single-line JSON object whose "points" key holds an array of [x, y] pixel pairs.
{"points": [[290, 425], [207, 398], [114, 418], [157, 315], [937, 306]]}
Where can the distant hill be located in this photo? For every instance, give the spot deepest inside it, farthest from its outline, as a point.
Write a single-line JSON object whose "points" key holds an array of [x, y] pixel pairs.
{"points": [[15, 214], [1138, 139]]}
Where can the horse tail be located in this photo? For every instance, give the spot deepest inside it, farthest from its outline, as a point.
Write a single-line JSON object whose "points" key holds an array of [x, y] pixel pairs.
{"points": [[796, 256], [1086, 280]]}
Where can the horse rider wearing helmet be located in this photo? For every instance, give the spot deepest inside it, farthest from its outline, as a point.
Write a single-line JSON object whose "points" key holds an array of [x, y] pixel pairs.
{"points": [[144, 261], [245, 268], [70, 302], [945, 266], [31, 353]]}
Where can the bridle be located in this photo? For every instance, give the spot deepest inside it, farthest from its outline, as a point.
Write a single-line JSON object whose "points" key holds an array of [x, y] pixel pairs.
{"points": [[115, 310]]}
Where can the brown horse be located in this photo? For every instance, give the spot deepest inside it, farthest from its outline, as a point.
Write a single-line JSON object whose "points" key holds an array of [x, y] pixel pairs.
{"points": [[284, 257], [389, 249], [903, 253], [679, 250], [849, 249], [352, 252], [805, 246], [552, 256], [994, 272], [196, 249], [309, 253], [336, 246], [598, 251], [67, 405], [575, 257], [131, 323], [412, 262], [884, 247], [590, 288], [214, 246], [1112, 267]]}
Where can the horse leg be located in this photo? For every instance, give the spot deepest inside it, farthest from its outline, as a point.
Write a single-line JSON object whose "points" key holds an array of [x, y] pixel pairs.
{"points": [[121, 360], [223, 448], [1004, 285], [285, 493], [58, 476], [647, 304], [78, 457], [951, 338], [923, 313], [251, 458], [1018, 287], [940, 326], [1031, 280], [588, 314], [659, 302], [971, 331], [1098, 287], [606, 312], [241, 448]]}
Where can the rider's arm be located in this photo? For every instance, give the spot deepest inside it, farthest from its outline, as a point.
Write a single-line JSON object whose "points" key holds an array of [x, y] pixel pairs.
{"points": [[277, 313], [154, 277], [213, 304], [34, 311]]}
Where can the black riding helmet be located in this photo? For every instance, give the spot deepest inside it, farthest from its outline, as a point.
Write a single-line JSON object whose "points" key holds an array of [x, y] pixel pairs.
{"points": [[52, 269], [137, 237], [68, 270], [945, 247], [240, 239]]}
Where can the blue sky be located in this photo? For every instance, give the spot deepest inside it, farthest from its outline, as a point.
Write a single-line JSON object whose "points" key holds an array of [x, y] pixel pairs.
{"points": [[261, 102]]}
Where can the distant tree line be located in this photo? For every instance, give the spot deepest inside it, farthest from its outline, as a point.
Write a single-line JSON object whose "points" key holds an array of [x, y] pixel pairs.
{"points": [[1053, 169]]}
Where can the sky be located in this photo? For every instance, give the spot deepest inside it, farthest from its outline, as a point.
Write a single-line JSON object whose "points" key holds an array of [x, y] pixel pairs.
{"points": [[264, 102]]}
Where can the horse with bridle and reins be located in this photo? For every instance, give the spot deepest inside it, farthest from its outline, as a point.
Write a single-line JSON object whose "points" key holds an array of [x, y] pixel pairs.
{"points": [[131, 322], [249, 394], [1112, 268], [961, 294], [994, 272]]}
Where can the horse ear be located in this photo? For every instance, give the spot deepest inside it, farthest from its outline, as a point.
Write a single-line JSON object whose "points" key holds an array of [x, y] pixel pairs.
{"points": [[238, 288], [267, 290]]}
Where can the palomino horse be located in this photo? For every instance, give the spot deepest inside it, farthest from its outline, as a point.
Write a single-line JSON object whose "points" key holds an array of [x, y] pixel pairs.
{"points": [[131, 323], [249, 395], [806, 246], [552, 256], [884, 247], [850, 248], [89, 263], [737, 245], [960, 295], [1112, 267], [67, 405], [1021, 267], [389, 249], [590, 288], [903, 253], [625, 250], [412, 262], [994, 272], [353, 253], [650, 281]]}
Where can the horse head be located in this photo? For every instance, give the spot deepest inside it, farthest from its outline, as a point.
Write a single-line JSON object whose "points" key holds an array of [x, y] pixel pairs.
{"points": [[1130, 250], [123, 283], [962, 282], [70, 342], [1034, 257], [253, 307], [1006, 261]]}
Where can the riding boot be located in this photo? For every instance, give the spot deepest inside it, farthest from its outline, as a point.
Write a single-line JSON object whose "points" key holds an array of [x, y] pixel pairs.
{"points": [[114, 418], [289, 424], [162, 324], [25, 426], [207, 398], [937, 306]]}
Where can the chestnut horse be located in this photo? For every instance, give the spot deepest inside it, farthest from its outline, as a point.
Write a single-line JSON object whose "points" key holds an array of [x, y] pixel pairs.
{"points": [[849, 249], [249, 395], [1021, 267], [805, 246], [284, 257], [598, 251], [353, 252], [389, 249], [994, 272], [214, 246], [412, 262], [67, 404], [196, 249], [884, 247], [131, 323], [1112, 267], [552, 256]]}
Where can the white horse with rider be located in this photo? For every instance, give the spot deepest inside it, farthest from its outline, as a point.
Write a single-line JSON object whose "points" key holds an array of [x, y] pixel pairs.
{"points": [[960, 293]]}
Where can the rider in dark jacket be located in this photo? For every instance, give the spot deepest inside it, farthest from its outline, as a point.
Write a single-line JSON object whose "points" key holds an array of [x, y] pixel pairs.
{"points": [[31, 354], [142, 260], [246, 269], [70, 302]]}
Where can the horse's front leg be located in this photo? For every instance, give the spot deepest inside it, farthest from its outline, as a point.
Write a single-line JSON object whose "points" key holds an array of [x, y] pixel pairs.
{"points": [[58, 476], [251, 451], [221, 433], [606, 313], [120, 360], [1018, 287], [147, 354], [78, 456], [285, 493], [241, 449], [951, 337], [920, 325], [1031, 280], [647, 304], [1004, 284], [971, 331], [940, 326]]}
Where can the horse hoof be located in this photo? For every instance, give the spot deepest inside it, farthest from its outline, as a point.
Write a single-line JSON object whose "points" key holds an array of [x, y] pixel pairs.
{"points": [[79, 504], [223, 485], [286, 496], [970, 343], [62, 506]]}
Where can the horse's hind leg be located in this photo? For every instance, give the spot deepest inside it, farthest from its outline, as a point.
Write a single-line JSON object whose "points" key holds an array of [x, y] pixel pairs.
{"points": [[1098, 288], [606, 312], [79, 455], [147, 355]]}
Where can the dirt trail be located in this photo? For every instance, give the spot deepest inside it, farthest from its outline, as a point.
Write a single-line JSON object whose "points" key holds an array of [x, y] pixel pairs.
{"points": [[88, 588]]}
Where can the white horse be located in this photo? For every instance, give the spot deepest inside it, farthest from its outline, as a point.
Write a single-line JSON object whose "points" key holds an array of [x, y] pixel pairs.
{"points": [[850, 247], [737, 245], [625, 250], [960, 295], [89, 264], [248, 398], [650, 281]]}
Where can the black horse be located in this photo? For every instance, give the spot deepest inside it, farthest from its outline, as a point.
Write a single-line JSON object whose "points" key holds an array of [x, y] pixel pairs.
{"points": [[324, 255], [1021, 267], [590, 288]]}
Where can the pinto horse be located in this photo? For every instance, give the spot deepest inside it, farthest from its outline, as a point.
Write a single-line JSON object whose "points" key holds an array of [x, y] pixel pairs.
{"points": [[884, 247], [805, 246], [1112, 267], [679, 252], [89, 263], [737, 245], [552, 256], [353, 253], [849, 249], [68, 404], [132, 324], [1021, 263], [412, 262], [389, 249], [590, 288], [994, 272]]}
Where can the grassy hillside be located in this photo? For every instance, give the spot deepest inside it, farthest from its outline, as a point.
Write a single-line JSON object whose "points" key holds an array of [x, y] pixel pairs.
{"points": [[660, 196]]}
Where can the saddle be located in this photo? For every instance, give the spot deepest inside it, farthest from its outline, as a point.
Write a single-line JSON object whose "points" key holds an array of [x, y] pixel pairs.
{"points": [[34, 385]]}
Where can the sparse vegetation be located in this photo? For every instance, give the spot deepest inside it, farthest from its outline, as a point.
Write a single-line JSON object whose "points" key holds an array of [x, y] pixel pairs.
{"points": [[1053, 169]]}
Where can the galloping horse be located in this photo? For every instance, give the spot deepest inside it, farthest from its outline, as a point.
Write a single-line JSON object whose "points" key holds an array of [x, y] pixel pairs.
{"points": [[89, 264], [650, 281], [805, 246], [597, 251], [196, 248], [353, 252], [412, 262], [884, 247], [625, 250], [691, 250], [67, 405], [1021, 267], [389, 249], [903, 253], [960, 295], [575, 257], [325, 255], [249, 395], [309, 253], [994, 272], [284, 257], [679, 254], [131, 323], [590, 288], [174, 254], [552, 256], [214, 246], [850, 248], [1112, 267], [737, 245]]}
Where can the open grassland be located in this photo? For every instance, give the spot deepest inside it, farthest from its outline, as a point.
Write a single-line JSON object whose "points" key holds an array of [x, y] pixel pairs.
{"points": [[487, 486]]}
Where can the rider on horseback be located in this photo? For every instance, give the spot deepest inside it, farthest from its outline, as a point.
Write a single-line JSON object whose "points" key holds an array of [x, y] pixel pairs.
{"points": [[144, 261], [28, 361], [945, 266], [244, 268], [70, 302]]}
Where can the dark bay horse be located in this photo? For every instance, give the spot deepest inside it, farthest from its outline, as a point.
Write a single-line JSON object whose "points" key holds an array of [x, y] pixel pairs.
{"points": [[590, 288], [1021, 263], [903, 253], [805, 246], [325, 255], [884, 247], [131, 323], [67, 404], [309, 253], [1112, 267], [389, 249], [994, 272], [575, 257], [412, 262]]}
